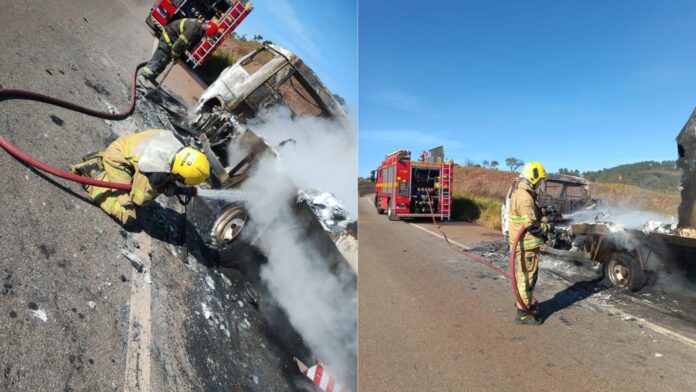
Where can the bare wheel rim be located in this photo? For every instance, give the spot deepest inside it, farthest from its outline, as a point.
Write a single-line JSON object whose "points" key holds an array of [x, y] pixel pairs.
{"points": [[229, 224], [619, 272]]}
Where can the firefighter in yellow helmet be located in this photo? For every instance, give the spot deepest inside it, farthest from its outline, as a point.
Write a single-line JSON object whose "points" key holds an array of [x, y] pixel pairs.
{"points": [[524, 212], [153, 161]]}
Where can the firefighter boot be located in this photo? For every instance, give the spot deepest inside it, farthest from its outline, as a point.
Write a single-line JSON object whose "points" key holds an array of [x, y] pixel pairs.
{"points": [[522, 318], [144, 81], [90, 167]]}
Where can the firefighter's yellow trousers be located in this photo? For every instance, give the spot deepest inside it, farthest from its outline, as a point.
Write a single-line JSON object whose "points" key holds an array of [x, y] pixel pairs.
{"points": [[527, 267], [115, 202]]}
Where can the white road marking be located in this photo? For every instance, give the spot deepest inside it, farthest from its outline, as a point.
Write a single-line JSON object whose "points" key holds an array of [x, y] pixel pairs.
{"points": [[646, 324], [440, 236], [137, 377], [658, 329]]}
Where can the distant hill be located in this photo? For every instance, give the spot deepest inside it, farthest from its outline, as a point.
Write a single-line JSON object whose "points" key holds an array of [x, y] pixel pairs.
{"points": [[495, 183], [651, 175]]}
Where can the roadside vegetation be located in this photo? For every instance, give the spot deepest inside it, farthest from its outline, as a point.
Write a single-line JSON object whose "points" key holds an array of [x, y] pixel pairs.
{"points": [[484, 210], [629, 196], [651, 175]]}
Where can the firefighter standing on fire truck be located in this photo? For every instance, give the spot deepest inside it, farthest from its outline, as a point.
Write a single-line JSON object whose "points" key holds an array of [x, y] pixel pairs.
{"points": [[524, 212], [153, 161], [174, 41]]}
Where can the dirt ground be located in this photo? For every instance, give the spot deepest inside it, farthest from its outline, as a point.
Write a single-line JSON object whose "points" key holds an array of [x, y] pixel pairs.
{"points": [[75, 315], [432, 320]]}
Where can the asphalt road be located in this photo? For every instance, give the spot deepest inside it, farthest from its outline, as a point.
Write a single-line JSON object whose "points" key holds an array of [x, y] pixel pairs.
{"points": [[431, 320], [74, 314]]}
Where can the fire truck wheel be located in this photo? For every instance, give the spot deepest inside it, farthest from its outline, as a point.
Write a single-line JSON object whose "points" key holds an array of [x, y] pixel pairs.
{"points": [[391, 214], [625, 271], [219, 231]]}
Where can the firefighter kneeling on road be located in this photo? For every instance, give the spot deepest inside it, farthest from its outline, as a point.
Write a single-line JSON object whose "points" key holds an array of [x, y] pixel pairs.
{"points": [[174, 41], [524, 211], [153, 162]]}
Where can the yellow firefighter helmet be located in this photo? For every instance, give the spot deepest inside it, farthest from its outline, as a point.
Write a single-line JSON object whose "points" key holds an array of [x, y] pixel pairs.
{"points": [[533, 172], [191, 165]]}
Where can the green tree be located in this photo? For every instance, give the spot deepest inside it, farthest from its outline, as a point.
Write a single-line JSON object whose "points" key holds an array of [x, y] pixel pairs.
{"points": [[513, 163]]}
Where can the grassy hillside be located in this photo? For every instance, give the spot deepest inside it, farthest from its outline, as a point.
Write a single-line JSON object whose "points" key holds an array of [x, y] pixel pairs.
{"points": [[637, 198], [481, 181], [651, 175], [365, 186]]}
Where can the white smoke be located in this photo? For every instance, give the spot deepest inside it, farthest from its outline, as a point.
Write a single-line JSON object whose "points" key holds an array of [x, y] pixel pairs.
{"points": [[620, 218], [317, 304], [323, 156], [319, 307]]}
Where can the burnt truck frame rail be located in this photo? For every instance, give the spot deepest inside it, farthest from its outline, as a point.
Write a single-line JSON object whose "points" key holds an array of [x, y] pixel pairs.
{"points": [[628, 256]]}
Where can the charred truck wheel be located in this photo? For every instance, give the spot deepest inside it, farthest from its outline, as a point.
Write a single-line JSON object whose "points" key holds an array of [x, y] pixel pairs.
{"points": [[625, 271], [219, 230]]}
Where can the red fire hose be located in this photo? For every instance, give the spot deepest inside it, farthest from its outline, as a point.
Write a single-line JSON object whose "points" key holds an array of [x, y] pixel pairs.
{"points": [[8, 94], [512, 275]]}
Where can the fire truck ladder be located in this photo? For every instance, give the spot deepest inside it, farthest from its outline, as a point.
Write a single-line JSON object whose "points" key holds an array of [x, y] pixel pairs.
{"points": [[445, 199], [229, 21]]}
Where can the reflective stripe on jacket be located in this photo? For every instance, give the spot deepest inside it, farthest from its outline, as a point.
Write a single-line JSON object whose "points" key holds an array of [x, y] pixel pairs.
{"points": [[121, 162], [523, 212], [180, 33]]}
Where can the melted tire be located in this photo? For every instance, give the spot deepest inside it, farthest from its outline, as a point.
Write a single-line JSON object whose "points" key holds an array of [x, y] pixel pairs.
{"points": [[202, 215]]}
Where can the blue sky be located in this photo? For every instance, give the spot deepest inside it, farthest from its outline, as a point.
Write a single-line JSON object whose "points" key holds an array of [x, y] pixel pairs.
{"points": [[323, 33], [581, 85]]}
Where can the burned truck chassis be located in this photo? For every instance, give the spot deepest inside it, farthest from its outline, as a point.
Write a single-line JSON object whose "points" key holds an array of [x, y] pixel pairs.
{"points": [[216, 228], [595, 244], [630, 258]]}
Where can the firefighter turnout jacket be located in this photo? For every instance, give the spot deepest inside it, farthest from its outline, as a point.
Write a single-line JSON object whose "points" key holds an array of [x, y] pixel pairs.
{"points": [[524, 212], [134, 159], [180, 33]]}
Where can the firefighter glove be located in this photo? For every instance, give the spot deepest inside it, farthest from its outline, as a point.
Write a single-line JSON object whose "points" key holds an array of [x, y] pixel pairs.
{"points": [[538, 229]]}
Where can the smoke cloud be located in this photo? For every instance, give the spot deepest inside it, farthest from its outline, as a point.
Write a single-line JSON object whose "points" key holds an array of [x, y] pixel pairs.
{"points": [[320, 307], [323, 156]]}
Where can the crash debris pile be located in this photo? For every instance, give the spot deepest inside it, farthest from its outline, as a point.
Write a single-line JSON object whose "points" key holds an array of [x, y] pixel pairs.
{"points": [[332, 214]]}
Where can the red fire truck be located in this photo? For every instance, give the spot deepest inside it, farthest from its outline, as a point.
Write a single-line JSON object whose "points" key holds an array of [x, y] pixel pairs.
{"points": [[227, 13], [409, 189]]}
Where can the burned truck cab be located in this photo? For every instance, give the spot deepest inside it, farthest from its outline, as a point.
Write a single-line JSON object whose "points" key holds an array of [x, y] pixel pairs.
{"points": [[268, 76], [558, 195]]}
